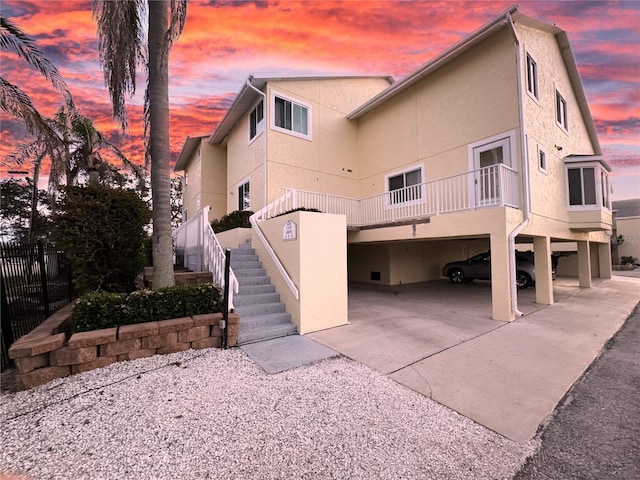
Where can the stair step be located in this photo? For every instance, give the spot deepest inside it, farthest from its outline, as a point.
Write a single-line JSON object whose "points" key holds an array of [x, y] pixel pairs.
{"points": [[250, 272], [259, 335], [243, 257], [261, 309], [252, 289], [248, 265], [257, 280], [240, 252], [255, 299], [262, 321]]}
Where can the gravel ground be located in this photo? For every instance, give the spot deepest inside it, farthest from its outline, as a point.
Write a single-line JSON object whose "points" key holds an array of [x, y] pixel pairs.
{"points": [[215, 414]]}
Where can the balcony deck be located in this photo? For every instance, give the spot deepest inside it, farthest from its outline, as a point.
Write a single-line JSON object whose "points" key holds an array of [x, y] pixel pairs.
{"points": [[493, 186]]}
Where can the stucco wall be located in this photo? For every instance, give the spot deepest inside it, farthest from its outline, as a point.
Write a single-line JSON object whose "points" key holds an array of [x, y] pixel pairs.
{"points": [[549, 190], [432, 122], [629, 228], [317, 263], [327, 162], [246, 162], [207, 173]]}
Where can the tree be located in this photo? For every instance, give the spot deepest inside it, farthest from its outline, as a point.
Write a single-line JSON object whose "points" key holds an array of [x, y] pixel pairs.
{"points": [[16, 218], [105, 247], [176, 202], [121, 42], [14, 100]]}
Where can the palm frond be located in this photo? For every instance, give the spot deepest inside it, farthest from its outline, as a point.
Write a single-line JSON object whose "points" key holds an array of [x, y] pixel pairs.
{"points": [[121, 40], [176, 25], [13, 39], [17, 103]]}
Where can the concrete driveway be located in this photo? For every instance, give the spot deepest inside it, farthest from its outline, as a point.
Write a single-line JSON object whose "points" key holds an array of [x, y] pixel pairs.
{"points": [[439, 339]]}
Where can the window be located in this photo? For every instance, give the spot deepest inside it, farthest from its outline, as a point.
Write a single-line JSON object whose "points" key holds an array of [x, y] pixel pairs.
{"points": [[561, 111], [604, 183], [244, 196], [291, 116], [532, 76], [256, 121], [405, 187], [582, 186], [588, 182], [542, 161]]}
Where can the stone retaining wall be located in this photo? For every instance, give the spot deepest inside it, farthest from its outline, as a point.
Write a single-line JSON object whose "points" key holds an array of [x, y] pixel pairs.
{"points": [[44, 354]]}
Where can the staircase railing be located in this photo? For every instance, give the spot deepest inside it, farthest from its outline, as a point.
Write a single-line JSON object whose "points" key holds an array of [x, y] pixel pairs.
{"points": [[196, 238], [281, 205]]}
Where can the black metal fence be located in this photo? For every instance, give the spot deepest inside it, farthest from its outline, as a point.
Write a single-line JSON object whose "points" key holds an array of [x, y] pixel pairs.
{"points": [[35, 282]]}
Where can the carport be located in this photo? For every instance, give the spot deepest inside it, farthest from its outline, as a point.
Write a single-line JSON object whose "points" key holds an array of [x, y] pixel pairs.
{"points": [[407, 323]]}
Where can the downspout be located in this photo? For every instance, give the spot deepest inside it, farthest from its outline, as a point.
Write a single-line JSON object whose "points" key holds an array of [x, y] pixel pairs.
{"points": [[264, 118], [526, 193]]}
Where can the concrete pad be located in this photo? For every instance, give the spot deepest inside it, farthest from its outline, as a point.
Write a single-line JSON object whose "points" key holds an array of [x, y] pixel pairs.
{"points": [[391, 328], [438, 339], [285, 353]]}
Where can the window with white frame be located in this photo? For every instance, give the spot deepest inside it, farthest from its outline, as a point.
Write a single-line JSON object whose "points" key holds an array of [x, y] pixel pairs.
{"points": [[405, 187], [244, 196], [587, 182], [604, 184], [542, 161], [532, 76], [561, 111], [291, 116], [256, 121]]}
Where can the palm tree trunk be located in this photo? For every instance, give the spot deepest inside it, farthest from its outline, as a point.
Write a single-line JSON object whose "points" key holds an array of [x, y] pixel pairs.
{"points": [[159, 145]]}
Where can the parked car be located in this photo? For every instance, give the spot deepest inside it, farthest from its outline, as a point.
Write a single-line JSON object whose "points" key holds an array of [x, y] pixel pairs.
{"points": [[479, 267]]}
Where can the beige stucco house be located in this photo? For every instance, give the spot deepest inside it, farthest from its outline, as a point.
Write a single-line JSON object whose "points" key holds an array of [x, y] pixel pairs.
{"points": [[488, 145], [627, 225]]}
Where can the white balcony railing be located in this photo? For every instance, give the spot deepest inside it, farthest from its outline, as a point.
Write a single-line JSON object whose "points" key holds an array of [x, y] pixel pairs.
{"points": [[198, 249], [492, 186]]}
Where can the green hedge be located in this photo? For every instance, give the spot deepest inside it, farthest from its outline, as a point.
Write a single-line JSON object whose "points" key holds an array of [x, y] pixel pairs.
{"points": [[237, 219], [98, 310]]}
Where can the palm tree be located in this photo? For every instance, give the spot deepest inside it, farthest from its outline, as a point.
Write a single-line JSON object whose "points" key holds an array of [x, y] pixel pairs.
{"points": [[121, 42], [14, 100], [78, 149]]}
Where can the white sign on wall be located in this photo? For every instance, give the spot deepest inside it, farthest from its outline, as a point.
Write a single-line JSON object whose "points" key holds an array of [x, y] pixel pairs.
{"points": [[289, 231]]}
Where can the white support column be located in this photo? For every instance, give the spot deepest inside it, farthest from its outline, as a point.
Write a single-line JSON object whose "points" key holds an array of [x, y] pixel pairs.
{"points": [[604, 260], [544, 270], [501, 279], [584, 264]]}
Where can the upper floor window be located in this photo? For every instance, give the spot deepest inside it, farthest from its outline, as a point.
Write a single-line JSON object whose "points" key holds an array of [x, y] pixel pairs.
{"points": [[291, 116], [256, 121], [561, 111], [405, 186], [542, 161], [582, 186], [532, 76], [244, 196], [588, 185]]}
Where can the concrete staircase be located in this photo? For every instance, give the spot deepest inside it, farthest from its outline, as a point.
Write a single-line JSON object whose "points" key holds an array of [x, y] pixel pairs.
{"points": [[262, 314]]}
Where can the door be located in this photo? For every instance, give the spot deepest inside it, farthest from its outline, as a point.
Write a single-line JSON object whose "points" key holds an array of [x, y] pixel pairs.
{"points": [[486, 158]]}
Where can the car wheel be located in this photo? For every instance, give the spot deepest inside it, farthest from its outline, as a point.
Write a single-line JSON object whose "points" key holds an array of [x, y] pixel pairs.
{"points": [[457, 276], [523, 280]]}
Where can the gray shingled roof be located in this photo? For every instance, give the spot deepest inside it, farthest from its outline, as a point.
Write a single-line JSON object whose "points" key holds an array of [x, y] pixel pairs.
{"points": [[627, 208]]}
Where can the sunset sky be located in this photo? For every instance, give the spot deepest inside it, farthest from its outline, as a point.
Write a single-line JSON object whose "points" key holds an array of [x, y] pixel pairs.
{"points": [[225, 41]]}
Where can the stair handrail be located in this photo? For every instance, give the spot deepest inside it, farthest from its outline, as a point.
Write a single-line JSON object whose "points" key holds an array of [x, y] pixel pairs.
{"points": [[214, 257], [277, 207]]}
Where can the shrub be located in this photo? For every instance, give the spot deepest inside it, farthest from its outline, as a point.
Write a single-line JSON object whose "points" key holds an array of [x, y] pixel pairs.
{"points": [[237, 219], [101, 230], [97, 310], [299, 209], [628, 260]]}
